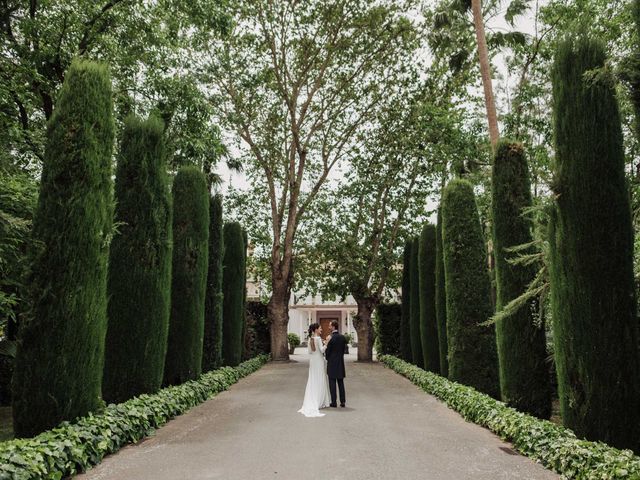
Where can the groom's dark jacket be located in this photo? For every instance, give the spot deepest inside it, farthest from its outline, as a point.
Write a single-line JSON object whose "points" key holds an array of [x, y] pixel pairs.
{"points": [[335, 356]]}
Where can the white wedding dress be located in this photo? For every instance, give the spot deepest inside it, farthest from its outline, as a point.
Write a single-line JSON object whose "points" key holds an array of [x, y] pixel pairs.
{"points": [[316, 395]]}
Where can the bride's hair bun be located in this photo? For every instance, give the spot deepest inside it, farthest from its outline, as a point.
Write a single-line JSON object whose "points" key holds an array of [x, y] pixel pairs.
{"points": [[312, 328]]}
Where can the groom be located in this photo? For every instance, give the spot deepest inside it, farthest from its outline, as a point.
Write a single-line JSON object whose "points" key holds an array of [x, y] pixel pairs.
{"points": [[335, 363]]}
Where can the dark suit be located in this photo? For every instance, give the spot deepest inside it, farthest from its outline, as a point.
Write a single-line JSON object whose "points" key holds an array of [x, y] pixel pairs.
{"points": [[335, 365]]}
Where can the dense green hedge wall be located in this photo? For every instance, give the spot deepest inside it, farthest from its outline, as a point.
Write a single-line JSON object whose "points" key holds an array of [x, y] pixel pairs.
{"points": [[388, 323], [233, 285], [139, 279], [414, 308], [257, 339], [524, 374], [71, 448], [441, 302], [189, 276], [212, 350], [58, 368], [593, 294], [405, 319], [473, 359], [554, 446], [427, 286]]}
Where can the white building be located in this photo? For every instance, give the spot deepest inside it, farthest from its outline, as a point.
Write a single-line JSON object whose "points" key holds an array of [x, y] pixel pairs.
{"points": [[303, 311]]}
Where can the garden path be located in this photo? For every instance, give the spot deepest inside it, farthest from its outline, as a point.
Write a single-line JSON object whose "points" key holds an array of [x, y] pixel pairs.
{"points": [[390, 429]]}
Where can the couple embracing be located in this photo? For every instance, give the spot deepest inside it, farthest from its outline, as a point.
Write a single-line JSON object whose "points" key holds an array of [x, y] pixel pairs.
{"points": [[326, 368]]}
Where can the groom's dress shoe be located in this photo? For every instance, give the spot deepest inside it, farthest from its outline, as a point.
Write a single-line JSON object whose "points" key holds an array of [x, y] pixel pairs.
{"points": [[333, 405], [342, 405]]}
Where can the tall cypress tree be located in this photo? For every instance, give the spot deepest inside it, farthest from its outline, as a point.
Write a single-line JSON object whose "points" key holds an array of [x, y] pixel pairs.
{"points": [[593, 295], [212, 352], [139, 281], [427, 286], [405, 319], [441, 301], [473, 359], [58, 368], [189, 276], [233, 286], [524, 379], [414, 310]]}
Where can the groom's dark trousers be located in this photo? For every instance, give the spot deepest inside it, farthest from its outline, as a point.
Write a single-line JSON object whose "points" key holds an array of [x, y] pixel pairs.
{"points": [[335, 366]]}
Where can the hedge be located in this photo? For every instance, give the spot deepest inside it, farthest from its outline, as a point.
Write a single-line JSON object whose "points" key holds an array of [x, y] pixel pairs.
{"points": [[388, 323], [405, 318], [60, 356], [233, 291], [593, 298], [73, 447], [554, 446], [139, 279], [414, 307], [427, 298]]}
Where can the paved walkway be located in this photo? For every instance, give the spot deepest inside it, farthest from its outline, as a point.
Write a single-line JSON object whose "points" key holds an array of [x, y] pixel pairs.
{"points": [[389, 430]]}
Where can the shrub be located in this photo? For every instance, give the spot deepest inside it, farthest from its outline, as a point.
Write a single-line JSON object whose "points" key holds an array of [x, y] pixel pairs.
{"points": [[212, 349], [427, 288], [59, 362], [441, 301], [554, 446], [593, 297], [472, 348], [234, 286], [258, 337], [71, 448], [524, 378], [388, 318], [189, 276], [414, 307], [405, 319], [294, 340], [139, 279]]}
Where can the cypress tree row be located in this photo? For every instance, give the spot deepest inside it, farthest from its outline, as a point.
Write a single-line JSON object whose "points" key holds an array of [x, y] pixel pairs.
{"points": [[233, 286], [427, 286], [139, 280], [212, 351], [472, 348], [58, 367], [405, 319], [593, 295], [189, 276], [414, 310], [441, 301], [524, 379]]}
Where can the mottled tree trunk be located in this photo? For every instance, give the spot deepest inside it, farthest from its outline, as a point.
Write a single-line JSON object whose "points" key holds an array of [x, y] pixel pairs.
{"points": [[278, 312], [364, 327]]}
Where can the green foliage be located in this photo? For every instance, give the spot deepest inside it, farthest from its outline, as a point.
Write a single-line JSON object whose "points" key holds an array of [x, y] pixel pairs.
{"points": [[441, 302], [212, 350], [593, 295], [233, 286], [427, 295], [71, 448], [18, 196], [294, 340], [414, 309], [554, 446], [472, 348], [144, 43], [405, 319], [189, 276], [524, 376], [139, 279], [388, 324], [257, 339], [58, 369]]}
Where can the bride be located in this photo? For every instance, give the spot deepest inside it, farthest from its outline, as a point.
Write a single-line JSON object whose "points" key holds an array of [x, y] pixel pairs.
{"points": [[316, 395]]}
